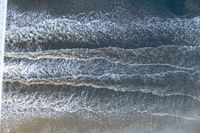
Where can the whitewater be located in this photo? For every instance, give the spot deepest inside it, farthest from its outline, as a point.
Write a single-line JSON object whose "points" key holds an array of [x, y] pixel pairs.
{"points": [[102, 61]]}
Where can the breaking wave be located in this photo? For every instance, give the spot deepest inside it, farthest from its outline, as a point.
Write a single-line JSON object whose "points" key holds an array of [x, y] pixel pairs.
{"points": [[102, 58], [37, 100], [64, 33]]}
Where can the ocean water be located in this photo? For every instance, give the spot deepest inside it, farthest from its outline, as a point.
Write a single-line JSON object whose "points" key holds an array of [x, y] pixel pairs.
{"points": [[91, 66]]}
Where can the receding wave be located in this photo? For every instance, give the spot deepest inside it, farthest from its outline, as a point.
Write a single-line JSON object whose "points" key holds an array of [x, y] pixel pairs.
{"points": [[73, 67], [61, 99], [186, 57]]}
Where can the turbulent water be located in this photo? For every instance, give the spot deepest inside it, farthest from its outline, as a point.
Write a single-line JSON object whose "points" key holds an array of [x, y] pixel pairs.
{"points": [[100, 59]]}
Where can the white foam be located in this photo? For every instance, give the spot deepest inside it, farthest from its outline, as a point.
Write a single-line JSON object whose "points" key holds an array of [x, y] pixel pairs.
{"points": [[3, 6]]}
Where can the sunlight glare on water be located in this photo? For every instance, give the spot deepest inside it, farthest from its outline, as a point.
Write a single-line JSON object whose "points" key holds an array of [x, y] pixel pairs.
{"points": [[3, 4]]}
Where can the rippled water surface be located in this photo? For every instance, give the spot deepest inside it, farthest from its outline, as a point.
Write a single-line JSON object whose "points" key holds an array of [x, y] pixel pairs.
{"points": [[102, 66]]}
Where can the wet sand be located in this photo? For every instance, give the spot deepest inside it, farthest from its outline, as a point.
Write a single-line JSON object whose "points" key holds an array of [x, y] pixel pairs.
{"points": [[79, 125]]}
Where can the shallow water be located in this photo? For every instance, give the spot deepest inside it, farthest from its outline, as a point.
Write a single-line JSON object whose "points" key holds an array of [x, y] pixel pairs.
{"points": [[102, 66], [76, 125]]}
